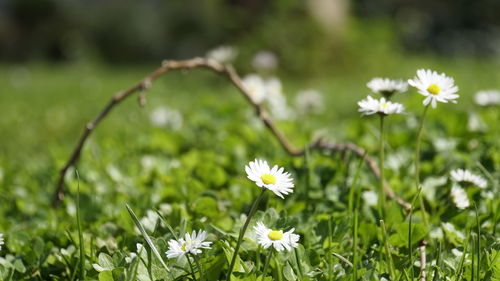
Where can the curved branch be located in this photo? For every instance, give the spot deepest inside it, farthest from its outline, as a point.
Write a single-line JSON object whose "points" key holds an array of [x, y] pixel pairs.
{"points": [[230, 73]]}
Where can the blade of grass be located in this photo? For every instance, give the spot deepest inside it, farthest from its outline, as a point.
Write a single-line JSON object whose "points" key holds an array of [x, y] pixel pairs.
{"points": [[330, 261], [478, 246], [438, 261], [80, 234], [462, 259], [472, 269], [390, 265], [167, 224], [410, 242], [357, 196], [146, 237], [496, 212]]}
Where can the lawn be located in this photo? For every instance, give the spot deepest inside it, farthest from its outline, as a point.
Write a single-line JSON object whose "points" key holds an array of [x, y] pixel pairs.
{"points": [[179, 164]]}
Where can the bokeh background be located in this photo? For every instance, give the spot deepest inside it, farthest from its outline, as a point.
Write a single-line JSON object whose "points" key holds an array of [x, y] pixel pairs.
{"points": [[61, 60]]}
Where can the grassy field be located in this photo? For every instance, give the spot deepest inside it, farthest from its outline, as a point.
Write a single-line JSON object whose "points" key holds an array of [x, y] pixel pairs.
{"points": [[192, 172]]}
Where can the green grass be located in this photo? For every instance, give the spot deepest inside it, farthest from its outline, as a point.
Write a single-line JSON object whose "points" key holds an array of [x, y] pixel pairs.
{"points": [[194, 177]]}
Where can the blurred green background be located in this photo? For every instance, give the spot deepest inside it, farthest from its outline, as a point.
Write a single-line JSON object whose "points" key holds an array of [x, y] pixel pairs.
{"points": [[62, 60]]}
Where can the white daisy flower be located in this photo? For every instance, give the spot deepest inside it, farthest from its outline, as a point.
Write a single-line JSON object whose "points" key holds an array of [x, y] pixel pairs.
{"points": [[191, 243], [465, 176], [370, 106], [274, 179], [487, 97], [387, 87], [267, 237], [256, 87], [459, 197], [435, 87], [223, 54], [1, 241]]}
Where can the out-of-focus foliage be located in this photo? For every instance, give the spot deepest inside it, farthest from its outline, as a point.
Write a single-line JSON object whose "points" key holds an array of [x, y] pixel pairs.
{"points": [[143, 31]]}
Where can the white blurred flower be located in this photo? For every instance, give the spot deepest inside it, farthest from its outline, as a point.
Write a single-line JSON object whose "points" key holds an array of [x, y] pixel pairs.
{"points": [[387, 87], [370, 106], [436, 233], [149, 221], [277, 100], [370, 197], [223, 54], [265, 61], [280, 241], [449, 227], [459, 197], [309, 101], [275, 179], [487, 97], [444, 144], [166, 117], [255, 87], [191, 243], [2, 242], [465, 176], [487, 194], [475, 123], [435, 87], [269, 90]]}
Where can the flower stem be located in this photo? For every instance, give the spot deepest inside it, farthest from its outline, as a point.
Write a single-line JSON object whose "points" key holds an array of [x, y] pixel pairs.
{"points": [[242, 232], [299, 266], [381, 193], [417, 164], [266, 265], [191, 266], [390, 265], [199, 267]]}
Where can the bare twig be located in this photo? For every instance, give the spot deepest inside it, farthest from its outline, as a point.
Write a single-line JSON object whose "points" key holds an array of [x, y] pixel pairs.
{"points": [[423, 261], [231, 74]]}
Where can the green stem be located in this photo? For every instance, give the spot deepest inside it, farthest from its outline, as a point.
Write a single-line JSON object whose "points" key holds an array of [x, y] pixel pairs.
{"points": [[478, 243], [410, 242], [387, 251], [192, 268], [266, 265], [381, 193], [242, 232], [354, 247], [278, 269], [330, 263], [298, 263], [198, 266], [417, 164], [257, 257]]}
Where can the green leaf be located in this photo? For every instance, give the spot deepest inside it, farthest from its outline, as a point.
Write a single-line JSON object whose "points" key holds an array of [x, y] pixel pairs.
{"points": [[400, 238], [105, 263], [288, 273], [106, 275], [19, 266]]}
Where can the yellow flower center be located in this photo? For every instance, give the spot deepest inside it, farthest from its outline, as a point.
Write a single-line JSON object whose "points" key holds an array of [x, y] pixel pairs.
{"points": [[275, 235], [183, 248], [433, 89], [268, 179], [384, 105]]}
